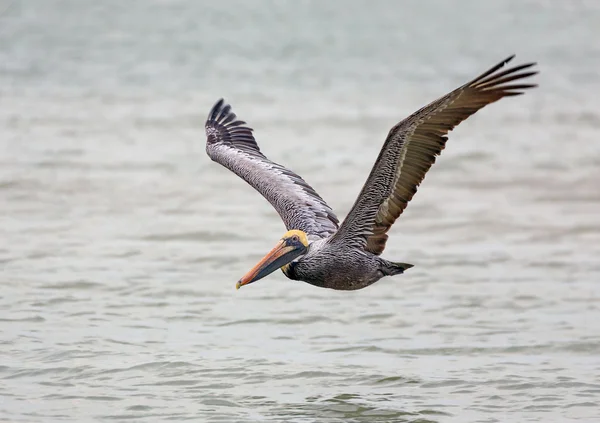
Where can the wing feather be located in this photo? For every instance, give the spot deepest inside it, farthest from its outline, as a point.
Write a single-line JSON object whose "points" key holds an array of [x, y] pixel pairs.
{"points": [[411, 148], [231, 143]]}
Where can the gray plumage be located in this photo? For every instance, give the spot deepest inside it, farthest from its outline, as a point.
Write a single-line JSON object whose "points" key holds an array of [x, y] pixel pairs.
{"points": [[231, 143], [348, 257]]}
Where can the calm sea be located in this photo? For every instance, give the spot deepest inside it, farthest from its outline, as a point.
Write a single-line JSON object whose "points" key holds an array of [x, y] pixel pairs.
{"points": [[121, 242]]}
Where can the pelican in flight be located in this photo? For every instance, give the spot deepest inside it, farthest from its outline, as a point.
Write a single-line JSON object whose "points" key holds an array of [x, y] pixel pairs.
{"points": [[316, 248]]}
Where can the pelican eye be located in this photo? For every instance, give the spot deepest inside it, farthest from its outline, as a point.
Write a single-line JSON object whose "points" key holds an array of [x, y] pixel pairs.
{"points": [[295, 238]]}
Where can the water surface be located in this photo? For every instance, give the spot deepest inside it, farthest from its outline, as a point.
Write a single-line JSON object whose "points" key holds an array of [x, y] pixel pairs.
{"points": [[121, 242]]}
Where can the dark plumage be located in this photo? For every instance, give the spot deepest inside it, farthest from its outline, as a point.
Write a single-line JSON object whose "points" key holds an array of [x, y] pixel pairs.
{"points": [[348, 257]]}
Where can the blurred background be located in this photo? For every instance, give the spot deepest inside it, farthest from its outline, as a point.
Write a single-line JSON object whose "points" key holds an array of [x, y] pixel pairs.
{"points": [[121, 242]]}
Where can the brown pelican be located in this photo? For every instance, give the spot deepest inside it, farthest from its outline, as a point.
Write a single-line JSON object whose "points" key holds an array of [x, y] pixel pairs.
{"points": [[317, 250]]}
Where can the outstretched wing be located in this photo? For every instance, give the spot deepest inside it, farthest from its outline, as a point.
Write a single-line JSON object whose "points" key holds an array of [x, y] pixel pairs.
{"points": [[231, 143], [411, 148]]}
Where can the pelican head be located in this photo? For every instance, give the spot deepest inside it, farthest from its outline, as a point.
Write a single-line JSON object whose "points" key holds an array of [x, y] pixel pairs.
{"points": [[293, 244]]}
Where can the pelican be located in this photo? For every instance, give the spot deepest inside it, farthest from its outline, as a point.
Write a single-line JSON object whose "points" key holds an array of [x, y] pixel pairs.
{"points": [[316, 248]]}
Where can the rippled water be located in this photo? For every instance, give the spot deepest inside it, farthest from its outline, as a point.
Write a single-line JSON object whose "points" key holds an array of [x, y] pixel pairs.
{"points": [[120, 242]]}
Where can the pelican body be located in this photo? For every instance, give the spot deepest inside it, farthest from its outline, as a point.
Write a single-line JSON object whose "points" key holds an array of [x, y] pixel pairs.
{"points": [[318, 250]]}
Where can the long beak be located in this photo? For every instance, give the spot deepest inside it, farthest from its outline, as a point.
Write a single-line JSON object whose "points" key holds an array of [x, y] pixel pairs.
{"points": [[278, 257]]}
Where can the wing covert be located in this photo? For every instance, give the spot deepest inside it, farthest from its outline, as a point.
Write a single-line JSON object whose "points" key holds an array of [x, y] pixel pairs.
{"points": [[410, 149], [230, 142]]}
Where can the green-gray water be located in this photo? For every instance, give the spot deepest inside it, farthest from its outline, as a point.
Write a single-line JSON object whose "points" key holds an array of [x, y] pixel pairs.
{"points": [[121, 242]]}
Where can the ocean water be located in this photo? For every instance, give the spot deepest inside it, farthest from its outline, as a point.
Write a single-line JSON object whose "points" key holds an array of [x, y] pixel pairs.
{"points": [[121, 242]]}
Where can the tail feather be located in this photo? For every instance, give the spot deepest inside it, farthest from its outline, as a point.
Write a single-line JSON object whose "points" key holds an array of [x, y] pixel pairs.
{"points": [[394, 268], [403, 266]]}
